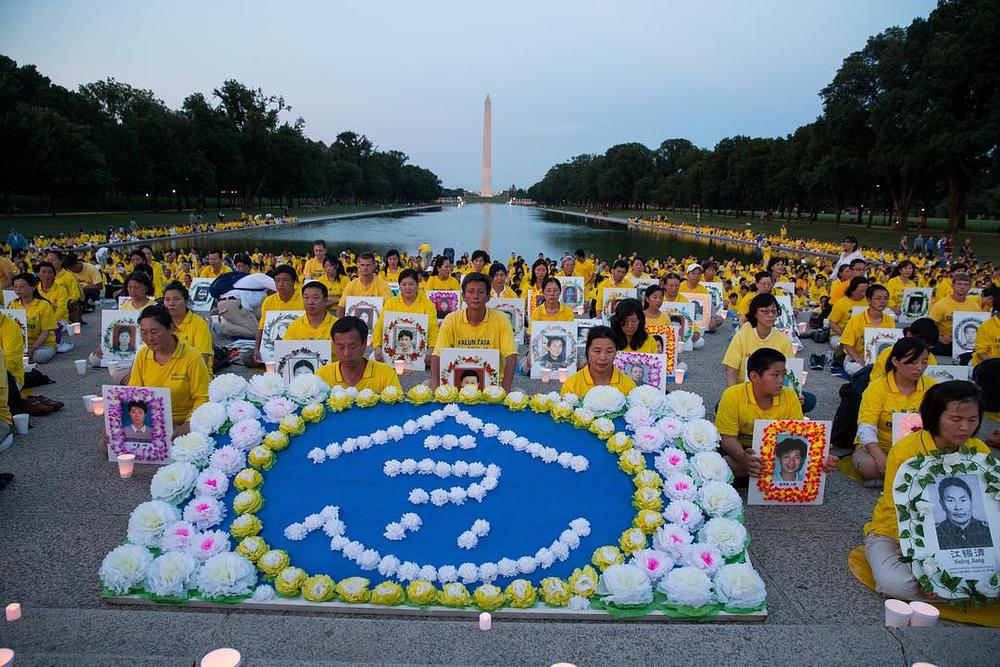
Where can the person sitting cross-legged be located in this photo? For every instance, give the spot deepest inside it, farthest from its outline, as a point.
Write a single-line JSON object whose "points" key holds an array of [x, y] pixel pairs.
{"points": [[350, 336]]}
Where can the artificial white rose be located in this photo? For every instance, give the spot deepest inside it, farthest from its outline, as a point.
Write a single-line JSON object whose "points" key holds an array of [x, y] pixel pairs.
{"points": [[578, 603], [211, 482], [526, 564], [672, 539], [705, 557], [638, 416], [394, 531], [728, 536], [468, 573], [148, 521], [687, 586], [507, 567], [178, 536], [648, 439], [488, 572], [604, 400], [447, 574], [679, 486], [738, 586], [124, 568], [369, 559], [684, 513], [173, 482], [246, 434], [195, 448], [266, 386], [296, 531], [264, 593], [208, 417], [277, 408], [719, 499], [580, 526], [204, 511], [305, 389], [710, 467], [670, 427], [226, 575], [685, 405], [651, 398], [387, 565], [227, 387], [228, 460], [241, 410], [654, 563], [671, 460], [700, 435], [209, 543], [625, 585], [318, 455]]}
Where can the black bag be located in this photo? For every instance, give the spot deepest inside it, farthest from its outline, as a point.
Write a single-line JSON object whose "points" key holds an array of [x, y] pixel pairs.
{"points": [[225, 282], [845, 422], [36, 378], [987, 376], [821, 336]]}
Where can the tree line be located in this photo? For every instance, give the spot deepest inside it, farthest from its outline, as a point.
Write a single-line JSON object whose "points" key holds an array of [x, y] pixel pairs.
{"points": [[110, 141], [910, 124]]}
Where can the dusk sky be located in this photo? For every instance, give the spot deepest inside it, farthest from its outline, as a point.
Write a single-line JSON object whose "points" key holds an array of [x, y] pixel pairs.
{"points": [[565, 77]]}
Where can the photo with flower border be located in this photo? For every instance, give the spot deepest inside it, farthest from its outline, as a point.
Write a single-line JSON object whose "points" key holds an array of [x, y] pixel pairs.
{"points": [[155, 401]]}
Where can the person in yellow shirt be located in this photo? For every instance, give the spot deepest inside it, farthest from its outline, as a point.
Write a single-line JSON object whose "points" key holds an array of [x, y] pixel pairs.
{"points": [[89, 277], [757, 333], [313, 270], [900, 390], [287, 297], [350, 338], [159, 279], [40, 317], [551, 309], [68, 281], [839, 284], [600, 350], [924, 329], [441, 278], [654, 307], [336, 281], [988, 336], [944, 309], [190, 329], [478, 327], [12, 340], [215, 267], [7, 271], [315, 324], [765, 285], [763, 396], [617, 279], [139, 287], [841, 312], [902, 278], [498, 283], [637, 269], [392, 266], [629, 324], [951, 414], [366, 284], [410, 300], [584, 267], [852, 341], [52, 291], [426, 254]]}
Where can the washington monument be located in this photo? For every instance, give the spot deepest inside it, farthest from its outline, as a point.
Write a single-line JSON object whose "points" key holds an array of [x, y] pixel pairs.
{"points": [[486, 186]]}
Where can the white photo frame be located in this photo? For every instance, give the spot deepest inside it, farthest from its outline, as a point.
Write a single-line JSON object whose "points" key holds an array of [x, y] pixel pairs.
{"points": [[779, 444], [275, 324], [916, 303], [612, 295], [644, 369], [297, 357], [877, 339], [120, 337], [404, 338], [460, 364], [552, 338], [365, 308], [201, 299], [681, 314], [702, 308], [513, 310], [574, 293], [946, 372], [138, 421], [964, 326]]}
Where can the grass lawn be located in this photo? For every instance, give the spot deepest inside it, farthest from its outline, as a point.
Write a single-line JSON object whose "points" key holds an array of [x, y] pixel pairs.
{"points": [[985, 244], [31, 225]]}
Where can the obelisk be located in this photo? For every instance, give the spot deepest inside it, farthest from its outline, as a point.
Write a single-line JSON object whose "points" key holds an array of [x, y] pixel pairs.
{"points": [[486, 187]]}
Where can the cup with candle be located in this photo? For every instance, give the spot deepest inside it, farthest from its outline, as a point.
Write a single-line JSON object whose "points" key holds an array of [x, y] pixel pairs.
{"points": [[563, 375], [546, 375], [6, 657], [924, 615], [87, 404], [270, 366], [222, 657], [81, 366], [485, 621], [97, 406], [679, 375], [13, 611], [399, 365], [21, 423], [897, 614], [126, 465]]}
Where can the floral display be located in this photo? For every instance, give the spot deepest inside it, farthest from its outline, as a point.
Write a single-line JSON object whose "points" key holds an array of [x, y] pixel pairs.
{"points": [[683, 550]]}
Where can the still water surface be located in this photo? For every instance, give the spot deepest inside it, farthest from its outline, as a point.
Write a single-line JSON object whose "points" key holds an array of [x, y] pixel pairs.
{"points": [[499, 229]]}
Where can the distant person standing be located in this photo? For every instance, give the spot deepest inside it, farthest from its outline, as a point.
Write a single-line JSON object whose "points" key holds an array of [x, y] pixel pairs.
{"points": [[16, 241], [849, 253], [931, 246], [918, 244], [904, 245]]}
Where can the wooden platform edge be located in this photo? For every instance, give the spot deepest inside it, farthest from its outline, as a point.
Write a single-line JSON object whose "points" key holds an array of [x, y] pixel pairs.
{"points": [[543, 613]]}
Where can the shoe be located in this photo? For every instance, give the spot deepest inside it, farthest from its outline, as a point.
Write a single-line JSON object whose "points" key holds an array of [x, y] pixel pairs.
{"points": [[873, 483], [816, 362], [51, 402], [36, 408]]}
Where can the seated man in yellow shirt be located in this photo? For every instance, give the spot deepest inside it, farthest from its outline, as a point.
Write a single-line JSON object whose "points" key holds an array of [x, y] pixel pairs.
{"points": [[287, 297], [215, 266], [764, 396], [943, 310], [368, 283], [350, 337], [477, 326]]}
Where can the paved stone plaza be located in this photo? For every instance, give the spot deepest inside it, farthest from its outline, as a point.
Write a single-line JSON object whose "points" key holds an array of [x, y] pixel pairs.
{"points": [[66, 508]]}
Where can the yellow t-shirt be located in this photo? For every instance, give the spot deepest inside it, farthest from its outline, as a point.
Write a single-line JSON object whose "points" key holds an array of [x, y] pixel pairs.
{"points": [[184, 374], [854, 332], [507, 293], [841, 311], [313, 270], [207, 272], [878, 368], [605, 284], [274, 302], [377, 376], [493, 333], [435, 283], [128, 305], [896, 286], [12, 340], [987, 340], [377, 287], [944, 309], [882, 398], [88, 276], [648, 346], [334, 289], [738, 410], [301, 329], [582, 381], [68, 281], [564, 314], [39, 316], [883, 520], [390, 275], [194, 331], [58, 298], [421, 305], [838, 290], [747, 341]]}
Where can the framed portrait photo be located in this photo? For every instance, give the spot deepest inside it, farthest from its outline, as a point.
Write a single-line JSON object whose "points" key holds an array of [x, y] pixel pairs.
{"points": [[8, 296], [786, 315], [792, 454], [643, 368], [404, 338], [612, 295], [964, 327], [513, 310], [138, 421], [877, 339], [201, 299], [573, 293], [19, 315], [640, 286], [394, 288], [951, 514], [702, 308], [445, 301], [665, 336], [682, 315], [553, 347], [916, 303], [718, 299], [120, 337], [365, 308], [275, 325], [301, 357], [946, 372], [463, 366]]}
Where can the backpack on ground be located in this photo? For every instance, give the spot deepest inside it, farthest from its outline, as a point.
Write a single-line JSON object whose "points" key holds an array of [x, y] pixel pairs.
{"points": [[845, 422]]}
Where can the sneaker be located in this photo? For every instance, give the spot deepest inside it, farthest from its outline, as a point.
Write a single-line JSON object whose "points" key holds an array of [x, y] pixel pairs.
{"points": [[816, 362]]}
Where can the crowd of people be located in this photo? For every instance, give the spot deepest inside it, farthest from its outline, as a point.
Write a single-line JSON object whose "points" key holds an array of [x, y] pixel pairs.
{"points": [[840, 297]]}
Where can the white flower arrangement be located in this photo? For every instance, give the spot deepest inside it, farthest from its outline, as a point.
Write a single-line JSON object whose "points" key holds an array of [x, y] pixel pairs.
{"points": [[685, 405], [124, 568], [208, 417], [710, 467], [277, 408], [625, 585], [467, 540], [178, 536], [679, 486], [604, 401], [739, 586], [670, 427], [211, 482], [650, 398], [654, 563], [246, 434], [672, 539], [684, 513], [226, 574], [227, 387], [648, 439], [704, 557], [148, 520], [228, 460], [195, 448], [173, 482], [638, 416], [719, 499], [264, 593], [305, 389], [242, 410], [204, 511], [687, 586], [700, 435], [266, 386], [208, 544], [171, 574]]}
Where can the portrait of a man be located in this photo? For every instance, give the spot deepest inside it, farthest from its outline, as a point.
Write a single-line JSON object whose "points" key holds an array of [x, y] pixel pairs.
{"points": [[404, 342], [470, 377], [135, 421], [638, 374], [960, 528], [554, 356], [790, 456]]}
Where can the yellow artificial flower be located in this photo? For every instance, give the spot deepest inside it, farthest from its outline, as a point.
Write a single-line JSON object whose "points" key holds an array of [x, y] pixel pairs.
{"points": [[353, 589], [521, 593], [292, 425], [418, 395], [272, 562], [516, 401], [454, 594], [631, 461], [647, 521], [339, 402], [582, 418], [421, 592], [649, 478], [561, 411], [245, 525], [632, 540], [555, 592], [583, 581], [603, 428], [445, 393], [647, 498], [605, 557], [366, 398], [494, 394], [248, 502], [314, 413], [618, 443], [252, 548], [489, 597], [387, 593], [276, 441], [248, 478], [469, 395], [540, 403], [318, 588], [261, 457], [288, 583], [391, 395]]}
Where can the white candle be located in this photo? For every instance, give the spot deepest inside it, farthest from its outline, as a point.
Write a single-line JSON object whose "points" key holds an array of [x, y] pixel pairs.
{"points": [[6, 657], [270, 366], [897, 614], [805, 374], [679, 375], [546, 375], [87, 405], [924, 615], [400, 366], [222, 657], [25, 360], [563, 374], [76, 328], [13, 611], [485, 621], [97, 405], [126, 464]]}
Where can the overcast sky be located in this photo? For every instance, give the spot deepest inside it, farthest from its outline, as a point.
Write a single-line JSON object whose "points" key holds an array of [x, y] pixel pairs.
{"points": [[565, 77]]}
